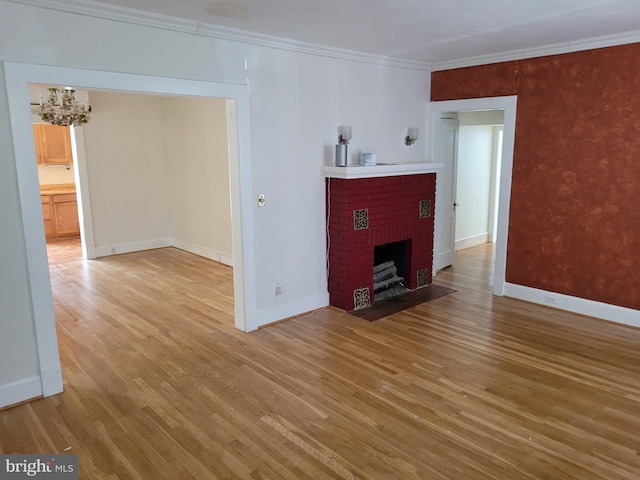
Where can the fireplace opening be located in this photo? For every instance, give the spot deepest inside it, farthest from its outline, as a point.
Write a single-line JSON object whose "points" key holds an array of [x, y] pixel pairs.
{"points": [[389, 262]]}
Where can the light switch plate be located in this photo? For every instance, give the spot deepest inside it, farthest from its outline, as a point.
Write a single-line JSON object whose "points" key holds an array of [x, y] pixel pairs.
{"points": [[261, 200]]}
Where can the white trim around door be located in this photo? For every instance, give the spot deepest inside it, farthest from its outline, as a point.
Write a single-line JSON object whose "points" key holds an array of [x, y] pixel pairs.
{"points": [[18, 76], [508, 104]]}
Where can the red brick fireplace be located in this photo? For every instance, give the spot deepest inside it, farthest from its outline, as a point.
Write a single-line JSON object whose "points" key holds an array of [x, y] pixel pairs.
{"points": [[368, 207]]}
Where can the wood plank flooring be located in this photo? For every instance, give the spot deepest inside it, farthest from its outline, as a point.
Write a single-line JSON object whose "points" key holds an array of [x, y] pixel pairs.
{"points": [[64, 250], [159, 385]]}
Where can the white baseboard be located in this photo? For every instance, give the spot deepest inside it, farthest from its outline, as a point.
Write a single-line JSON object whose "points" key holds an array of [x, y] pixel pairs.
{"points": [[604, 311], [17, 392], [106, 250], [472, 241], [292, 309], [204, 252]]}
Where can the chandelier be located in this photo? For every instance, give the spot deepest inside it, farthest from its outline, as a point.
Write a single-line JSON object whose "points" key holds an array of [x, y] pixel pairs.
{"points": [[62, 108]]}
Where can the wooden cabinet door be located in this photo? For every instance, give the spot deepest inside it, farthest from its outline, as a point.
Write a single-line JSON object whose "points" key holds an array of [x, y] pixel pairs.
{"points": [[47, 215], [65, 214], [53, 144]]}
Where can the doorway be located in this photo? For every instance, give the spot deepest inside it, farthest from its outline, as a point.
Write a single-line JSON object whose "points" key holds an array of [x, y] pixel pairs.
{"points": [[56, 176], [18, 76], [477, 180], [438, 150], [159, 173]]}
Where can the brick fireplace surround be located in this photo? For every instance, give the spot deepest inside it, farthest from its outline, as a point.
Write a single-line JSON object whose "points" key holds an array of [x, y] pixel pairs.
{"points": [[372, 206]]}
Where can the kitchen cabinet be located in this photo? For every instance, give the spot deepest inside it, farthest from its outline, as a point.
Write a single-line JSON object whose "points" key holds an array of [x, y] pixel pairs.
{"points": [[53, 144], [47, 215], [60, 211]]}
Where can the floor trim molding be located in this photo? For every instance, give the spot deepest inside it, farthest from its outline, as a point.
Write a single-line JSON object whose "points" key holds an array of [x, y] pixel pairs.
{"points": [[472, 241], [287, 310], [20, 391], [205, 252], [128, 247], [604, 311]]}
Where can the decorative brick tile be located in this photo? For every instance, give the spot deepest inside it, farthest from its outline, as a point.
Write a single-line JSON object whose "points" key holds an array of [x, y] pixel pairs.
{"points": [[425, 208], [423, 277], [361, 298], [360, 219]]}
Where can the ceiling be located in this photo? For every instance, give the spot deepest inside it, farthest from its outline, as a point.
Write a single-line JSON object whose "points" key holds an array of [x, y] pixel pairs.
{"points": [[420, 30]]}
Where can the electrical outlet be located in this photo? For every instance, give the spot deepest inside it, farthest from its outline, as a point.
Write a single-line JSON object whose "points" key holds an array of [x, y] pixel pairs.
{"points": [[261, 200], [550, 299], [279, 289]]}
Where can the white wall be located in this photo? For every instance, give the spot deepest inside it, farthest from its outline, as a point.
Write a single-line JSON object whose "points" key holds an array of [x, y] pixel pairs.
{"points": [[304, 98], [158, 173], [477, 171], [475, 149], [126, 167], [297, 100], [55, 174], [195, 139]]}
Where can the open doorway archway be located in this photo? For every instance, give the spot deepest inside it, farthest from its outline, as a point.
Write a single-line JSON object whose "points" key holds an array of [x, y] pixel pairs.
{"points": [[18, 76], [508, 104]]}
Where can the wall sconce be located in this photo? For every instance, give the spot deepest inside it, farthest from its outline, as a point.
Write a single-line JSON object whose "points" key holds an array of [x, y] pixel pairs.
{"points": [[344, 136], [412, 136]]}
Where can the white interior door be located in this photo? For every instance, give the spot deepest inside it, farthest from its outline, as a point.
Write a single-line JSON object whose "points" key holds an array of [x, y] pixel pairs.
{"points": [[445, 215]]}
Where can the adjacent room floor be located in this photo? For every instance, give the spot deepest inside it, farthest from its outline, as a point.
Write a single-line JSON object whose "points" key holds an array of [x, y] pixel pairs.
{"points": [[160, 385], [64, 250]]}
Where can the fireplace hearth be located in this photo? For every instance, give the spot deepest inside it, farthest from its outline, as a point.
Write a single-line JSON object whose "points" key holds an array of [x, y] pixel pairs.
{"points": [[384, 222]]}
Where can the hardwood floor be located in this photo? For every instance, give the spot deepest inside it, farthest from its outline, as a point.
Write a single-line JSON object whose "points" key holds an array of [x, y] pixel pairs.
{"points": [[64, 250], [159, 385]]}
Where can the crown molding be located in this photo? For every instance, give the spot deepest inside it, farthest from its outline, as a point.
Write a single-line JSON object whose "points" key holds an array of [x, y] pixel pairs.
{"points": [[92, 8], [238, 35], [554, 49], [105, 11]]}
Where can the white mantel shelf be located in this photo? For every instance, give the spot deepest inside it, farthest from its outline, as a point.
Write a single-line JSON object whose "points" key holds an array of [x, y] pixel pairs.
{"points": [[359, 171]]}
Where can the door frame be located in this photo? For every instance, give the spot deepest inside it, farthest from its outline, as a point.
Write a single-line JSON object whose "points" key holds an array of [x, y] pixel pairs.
{"points": [[18, 76], [509, 105], [81, 179]]}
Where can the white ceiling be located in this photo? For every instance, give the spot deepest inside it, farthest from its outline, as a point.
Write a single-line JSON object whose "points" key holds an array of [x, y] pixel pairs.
{"points": [[419, 30], [422, 30]]}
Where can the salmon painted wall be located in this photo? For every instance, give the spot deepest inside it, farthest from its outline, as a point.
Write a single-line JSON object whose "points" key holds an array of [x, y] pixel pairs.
{"points": [[574, 224]]}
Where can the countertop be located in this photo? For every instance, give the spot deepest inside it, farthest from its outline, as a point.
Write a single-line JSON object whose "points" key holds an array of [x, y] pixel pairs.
{"points": [[57, 189]]}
